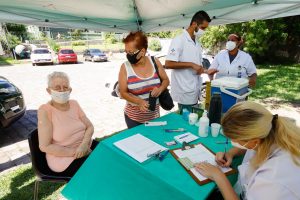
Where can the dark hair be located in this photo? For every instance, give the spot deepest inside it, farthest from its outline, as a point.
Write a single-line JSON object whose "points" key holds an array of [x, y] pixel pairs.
{"points": [[139, 37], [237, 36], [200, 16]]}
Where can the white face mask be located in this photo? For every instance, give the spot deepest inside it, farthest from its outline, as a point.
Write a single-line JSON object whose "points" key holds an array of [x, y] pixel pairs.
{"points": [[230, 45], [60, 97], [199, 33], [237, 145]]}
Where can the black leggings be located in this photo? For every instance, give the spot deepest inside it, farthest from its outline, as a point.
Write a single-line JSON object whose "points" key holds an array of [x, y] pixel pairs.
{"points": [[131, 123], [76, 164]]}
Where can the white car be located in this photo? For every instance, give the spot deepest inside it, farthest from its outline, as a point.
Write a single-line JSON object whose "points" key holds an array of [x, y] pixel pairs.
{"points": [[41, 55]]}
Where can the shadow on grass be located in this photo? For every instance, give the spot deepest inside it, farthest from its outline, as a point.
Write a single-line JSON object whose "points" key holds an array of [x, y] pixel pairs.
{"points": [[279, 82], [19, 185]]}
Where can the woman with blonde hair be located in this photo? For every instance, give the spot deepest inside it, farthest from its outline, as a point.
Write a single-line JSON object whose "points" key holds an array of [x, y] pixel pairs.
{"points": [[271, 166]]}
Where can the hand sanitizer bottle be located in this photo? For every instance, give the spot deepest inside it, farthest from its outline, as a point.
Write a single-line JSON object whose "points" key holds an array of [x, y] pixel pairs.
{"points": [[203, 125]]}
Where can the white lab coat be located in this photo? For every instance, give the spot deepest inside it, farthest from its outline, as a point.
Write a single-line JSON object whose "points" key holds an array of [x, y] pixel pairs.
{"points": [[278, 178], [222, 63], [185, 83]]}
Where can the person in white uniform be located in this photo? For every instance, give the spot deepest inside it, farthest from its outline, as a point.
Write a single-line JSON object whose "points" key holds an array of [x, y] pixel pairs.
{"points": [[185, 60], [271, 166], [233, 62]]}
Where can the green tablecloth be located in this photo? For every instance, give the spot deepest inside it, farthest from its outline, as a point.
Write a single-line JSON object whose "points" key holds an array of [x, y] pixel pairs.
{"points": [[109, 173]]}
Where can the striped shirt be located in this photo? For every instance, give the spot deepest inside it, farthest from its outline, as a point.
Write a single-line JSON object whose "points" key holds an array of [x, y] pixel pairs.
{"points": [[141, 87]]}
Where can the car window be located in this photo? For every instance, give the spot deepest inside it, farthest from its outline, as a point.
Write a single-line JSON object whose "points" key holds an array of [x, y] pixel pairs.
{"points": [[40, 51], [67, 51], [95, 51]]}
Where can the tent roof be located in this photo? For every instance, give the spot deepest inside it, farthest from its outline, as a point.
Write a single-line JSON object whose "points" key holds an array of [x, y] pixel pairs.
{"points": [[147, 15]]}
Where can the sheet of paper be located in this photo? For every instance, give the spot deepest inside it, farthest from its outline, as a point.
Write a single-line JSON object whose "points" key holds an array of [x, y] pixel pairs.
{"points": [[200, 154], [186, 137], [139, 147]]}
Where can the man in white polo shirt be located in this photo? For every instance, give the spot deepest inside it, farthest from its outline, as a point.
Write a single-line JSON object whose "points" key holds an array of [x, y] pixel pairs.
{"points": [[185, 60]]}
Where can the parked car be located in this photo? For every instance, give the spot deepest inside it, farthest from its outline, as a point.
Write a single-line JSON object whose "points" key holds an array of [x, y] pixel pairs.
{"points": [[12, 106], [41, 55], [94, 55], [66, 56]]}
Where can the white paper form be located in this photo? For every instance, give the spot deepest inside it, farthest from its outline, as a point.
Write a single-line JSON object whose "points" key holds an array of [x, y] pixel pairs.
{"points": [[139, 147], [199, 154]]}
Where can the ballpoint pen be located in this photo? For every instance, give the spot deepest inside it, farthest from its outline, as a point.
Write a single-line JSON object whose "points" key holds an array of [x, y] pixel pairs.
{"points": [[184, 136]]}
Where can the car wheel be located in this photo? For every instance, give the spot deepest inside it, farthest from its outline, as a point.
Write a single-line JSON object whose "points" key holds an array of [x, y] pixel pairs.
{"points": [[52, 63], [33, 64], [93, 60]]}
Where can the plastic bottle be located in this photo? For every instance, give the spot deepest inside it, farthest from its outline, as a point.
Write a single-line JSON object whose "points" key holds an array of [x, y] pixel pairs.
{"points": [[203, 125], [215, 109], [185, 114]]}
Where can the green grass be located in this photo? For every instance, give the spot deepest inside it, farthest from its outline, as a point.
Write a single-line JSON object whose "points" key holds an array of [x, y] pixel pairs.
{"points": [[8, 61], [278, 81], [18, 184]]}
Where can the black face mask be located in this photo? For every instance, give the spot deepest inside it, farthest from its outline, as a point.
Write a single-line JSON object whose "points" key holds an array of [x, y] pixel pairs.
{"points": [[132, 58]]}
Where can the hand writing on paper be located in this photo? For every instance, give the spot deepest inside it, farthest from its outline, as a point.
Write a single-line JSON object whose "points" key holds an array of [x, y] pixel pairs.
{"points": [[208, 170], [224, 159]]}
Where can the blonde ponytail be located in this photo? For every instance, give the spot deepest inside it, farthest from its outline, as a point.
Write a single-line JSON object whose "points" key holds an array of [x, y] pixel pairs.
{"points": [[249, 120]]}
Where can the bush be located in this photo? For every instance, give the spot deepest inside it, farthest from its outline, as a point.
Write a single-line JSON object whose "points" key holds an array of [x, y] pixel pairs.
{"points": [[155, 45], [53, 45], [110, 38], [78, 43]]}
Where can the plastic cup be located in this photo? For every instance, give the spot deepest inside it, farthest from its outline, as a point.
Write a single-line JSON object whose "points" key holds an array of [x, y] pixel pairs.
{"points": [[193, 117], [215, 129]]}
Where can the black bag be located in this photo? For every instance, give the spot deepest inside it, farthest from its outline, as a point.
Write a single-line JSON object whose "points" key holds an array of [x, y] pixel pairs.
{"points": [[165, 99]]}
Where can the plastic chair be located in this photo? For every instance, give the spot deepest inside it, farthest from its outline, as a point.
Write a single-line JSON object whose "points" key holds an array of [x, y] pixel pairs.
{"points": [[39, 164]]}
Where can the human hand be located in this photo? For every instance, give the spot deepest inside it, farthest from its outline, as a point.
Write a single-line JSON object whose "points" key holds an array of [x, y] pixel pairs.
{"points": [[82, 150], [143, 105], [198, 68], [156, 92], [252, 82], [212, 71], [224, 159], [208, 170]]}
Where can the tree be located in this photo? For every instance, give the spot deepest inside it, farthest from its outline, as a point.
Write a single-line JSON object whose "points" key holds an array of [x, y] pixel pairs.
{"points": [[76, 34], [110, 38], [18, 30], [262, 38]]}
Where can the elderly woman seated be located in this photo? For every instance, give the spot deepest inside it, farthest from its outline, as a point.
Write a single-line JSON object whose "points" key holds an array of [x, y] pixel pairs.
{"points": [[64, 130]]}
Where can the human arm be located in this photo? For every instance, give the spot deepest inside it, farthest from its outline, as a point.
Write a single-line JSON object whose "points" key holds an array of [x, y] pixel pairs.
{"points": [[164, 78], [225, 159], [123, 87], [214, 173], [45, 132]]}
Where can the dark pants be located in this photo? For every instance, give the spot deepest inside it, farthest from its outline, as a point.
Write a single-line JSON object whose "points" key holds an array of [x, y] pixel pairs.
{"points": [[182, 106], [131, 123], [76, 164]]}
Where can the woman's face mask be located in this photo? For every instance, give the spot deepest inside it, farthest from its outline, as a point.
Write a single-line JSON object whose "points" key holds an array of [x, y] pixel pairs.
{"points": [[60, 97], [230, 45], [132, 58], [237, 145]]}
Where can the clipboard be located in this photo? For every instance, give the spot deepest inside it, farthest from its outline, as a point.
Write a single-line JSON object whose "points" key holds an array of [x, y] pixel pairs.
{"points": [[187, 147]]}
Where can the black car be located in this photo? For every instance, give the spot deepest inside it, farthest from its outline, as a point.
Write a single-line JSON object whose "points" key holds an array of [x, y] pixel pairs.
{"points": [[94, 55], [12, 105]]}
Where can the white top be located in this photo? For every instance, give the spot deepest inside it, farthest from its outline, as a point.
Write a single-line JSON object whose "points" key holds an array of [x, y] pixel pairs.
{"points": [[278, 178], [222, 63], [185, 83]]}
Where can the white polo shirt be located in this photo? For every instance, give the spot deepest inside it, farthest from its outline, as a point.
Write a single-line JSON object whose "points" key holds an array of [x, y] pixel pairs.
{"points": [[185, 83], [222, 63]]}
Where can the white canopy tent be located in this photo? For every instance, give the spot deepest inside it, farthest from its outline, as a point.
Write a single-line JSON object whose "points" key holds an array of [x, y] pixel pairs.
{"points": [[146, 15]]}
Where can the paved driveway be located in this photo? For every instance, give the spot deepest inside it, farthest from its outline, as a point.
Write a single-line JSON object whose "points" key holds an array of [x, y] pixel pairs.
{"points": [[88, 81]]}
